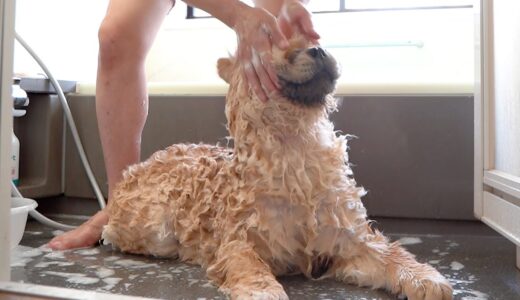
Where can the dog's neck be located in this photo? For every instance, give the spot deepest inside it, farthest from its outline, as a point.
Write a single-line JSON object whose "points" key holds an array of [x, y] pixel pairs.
{"points": [[274, 125], [278, 141]]}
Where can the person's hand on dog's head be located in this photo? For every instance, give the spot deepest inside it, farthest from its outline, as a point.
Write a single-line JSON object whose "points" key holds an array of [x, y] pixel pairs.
{"points": [[257, 30], [295, 18]]}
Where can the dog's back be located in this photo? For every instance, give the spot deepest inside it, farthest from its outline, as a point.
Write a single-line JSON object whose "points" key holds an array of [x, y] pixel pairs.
{"points": [[159, 209]]}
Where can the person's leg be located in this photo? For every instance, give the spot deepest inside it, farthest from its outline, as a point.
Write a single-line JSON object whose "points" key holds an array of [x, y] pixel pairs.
{"points": [[125, 37]]}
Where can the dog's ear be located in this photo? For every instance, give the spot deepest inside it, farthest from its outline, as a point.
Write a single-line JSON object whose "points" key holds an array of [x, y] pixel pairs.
{"points": [[225, 68]]}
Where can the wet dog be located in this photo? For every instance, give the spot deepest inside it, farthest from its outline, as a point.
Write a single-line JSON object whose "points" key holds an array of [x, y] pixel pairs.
{"points": [[282, 201]]}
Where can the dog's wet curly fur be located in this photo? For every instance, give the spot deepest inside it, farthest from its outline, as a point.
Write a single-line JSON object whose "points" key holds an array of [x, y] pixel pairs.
{"points": [[282, 201]]}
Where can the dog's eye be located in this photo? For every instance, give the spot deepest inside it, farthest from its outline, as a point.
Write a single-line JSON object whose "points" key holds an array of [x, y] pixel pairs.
{"points": [[292, 54]]}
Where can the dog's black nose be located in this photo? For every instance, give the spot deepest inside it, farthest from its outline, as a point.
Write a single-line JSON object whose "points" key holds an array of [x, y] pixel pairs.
{"points": [[316, 52]]}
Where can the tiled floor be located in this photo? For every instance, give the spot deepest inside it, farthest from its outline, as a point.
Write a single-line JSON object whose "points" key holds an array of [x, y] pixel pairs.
{"points": [[478, 262]]}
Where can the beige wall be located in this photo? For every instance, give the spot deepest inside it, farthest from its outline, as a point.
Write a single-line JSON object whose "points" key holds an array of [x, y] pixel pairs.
{"points": [[414, 154]]}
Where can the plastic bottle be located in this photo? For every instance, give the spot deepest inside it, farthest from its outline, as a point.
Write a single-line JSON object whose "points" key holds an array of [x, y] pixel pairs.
{"points": [[19, 99], [15, 159], [15, 151]]}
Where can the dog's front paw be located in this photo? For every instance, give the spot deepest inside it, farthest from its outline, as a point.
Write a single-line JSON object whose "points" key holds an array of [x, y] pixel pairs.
{"points": [[430, 286], [253, 293]]}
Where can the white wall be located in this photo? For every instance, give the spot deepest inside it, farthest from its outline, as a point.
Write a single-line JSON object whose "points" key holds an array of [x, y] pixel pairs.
{"points": [[506, 27], [63, 33], [186, 50]]}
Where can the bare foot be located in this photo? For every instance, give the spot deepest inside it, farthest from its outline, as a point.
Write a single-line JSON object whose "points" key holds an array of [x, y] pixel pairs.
{"points": [[86, 235]]}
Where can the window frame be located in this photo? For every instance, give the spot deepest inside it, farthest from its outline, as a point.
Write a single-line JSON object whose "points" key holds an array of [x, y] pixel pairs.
{"points": [[342, 8]]}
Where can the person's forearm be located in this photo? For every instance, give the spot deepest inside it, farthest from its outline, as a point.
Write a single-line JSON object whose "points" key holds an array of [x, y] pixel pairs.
{"points": [[227, 11], [274, 6]]}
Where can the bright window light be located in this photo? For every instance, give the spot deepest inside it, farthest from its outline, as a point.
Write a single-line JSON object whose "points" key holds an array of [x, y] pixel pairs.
{"points": [[317, 6]]}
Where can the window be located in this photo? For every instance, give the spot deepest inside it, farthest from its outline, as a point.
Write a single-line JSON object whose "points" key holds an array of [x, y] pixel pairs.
{"points": [[330, 6]]}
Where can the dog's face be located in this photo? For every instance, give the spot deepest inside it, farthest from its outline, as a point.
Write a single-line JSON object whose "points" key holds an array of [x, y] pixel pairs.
{"points": [[307, 73]]}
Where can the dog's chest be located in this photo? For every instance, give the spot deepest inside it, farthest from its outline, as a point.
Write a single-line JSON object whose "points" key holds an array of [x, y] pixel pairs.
{"points": [[282, 230]]}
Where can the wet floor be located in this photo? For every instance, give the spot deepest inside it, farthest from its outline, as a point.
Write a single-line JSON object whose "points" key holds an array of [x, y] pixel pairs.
{"points": [[479, 263]]}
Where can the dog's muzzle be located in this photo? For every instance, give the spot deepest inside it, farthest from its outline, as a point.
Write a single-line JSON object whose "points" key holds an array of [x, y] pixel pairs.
{"points": [[319, 71]]}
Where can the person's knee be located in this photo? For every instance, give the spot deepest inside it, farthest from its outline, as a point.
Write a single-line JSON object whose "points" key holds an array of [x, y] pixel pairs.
{"points": [[117, 46]]}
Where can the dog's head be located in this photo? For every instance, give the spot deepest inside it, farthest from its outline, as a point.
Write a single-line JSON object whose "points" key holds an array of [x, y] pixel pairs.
{"points": [[307, 73]]}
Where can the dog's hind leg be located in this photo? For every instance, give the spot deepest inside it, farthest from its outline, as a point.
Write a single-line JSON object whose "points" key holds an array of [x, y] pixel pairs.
{"points": [[242, 274], [380, 264]]}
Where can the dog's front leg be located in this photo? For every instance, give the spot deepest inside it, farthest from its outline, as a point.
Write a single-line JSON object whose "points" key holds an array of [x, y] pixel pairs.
{"points": [[380, 264], [242, 274]]}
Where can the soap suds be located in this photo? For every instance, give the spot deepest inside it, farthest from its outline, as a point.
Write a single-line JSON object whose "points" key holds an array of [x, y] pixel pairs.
{"points": [[104, 272], [475, 295], [22, 255], [92, 251], [456, 266], [76, 278], [130, 263], [33, 232], [55, 255], [58, 232], [410, 241], [57, 263], [111, 258], [111, 282]]}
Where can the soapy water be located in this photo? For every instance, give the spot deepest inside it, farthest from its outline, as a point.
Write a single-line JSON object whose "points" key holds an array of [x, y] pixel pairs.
{"points": [[409, 241], [456, 266], [106, 278], [75, 278]]}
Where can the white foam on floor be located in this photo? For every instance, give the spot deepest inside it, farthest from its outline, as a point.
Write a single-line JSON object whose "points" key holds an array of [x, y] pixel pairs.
{"points": [[22, 255], [192, 281], [57, 263], [90, 251], [45, 248], [34, 232], [167, 276], [132, 277], [453, 245], [456, 266], [207, 285], [111, 258], [104, 272], [410, 240], [58, 232], [130, 263], [111, 282], [55, 255], [76, 278], [475, 295]]}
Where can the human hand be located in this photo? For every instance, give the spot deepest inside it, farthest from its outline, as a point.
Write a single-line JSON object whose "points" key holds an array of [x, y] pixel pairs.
{"points": [[257, 30], [295, 17]]}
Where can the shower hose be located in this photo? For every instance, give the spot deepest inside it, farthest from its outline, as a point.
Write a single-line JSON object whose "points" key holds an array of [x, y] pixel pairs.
{"points": [[77, 141]]}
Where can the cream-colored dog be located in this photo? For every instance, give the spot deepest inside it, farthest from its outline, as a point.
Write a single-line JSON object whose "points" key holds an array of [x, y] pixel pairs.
{"points": [[282, 201]]}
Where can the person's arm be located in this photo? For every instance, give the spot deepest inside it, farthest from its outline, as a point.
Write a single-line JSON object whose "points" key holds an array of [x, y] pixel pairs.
{"points": [[256, 30]]}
